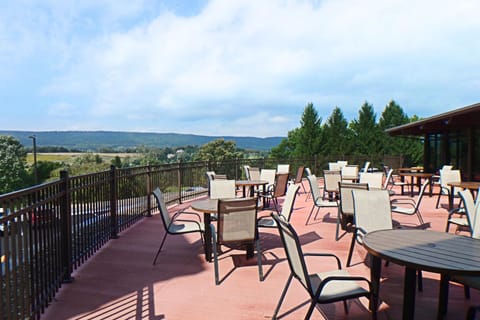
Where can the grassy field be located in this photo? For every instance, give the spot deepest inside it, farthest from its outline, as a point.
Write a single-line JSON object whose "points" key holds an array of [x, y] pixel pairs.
{"points": [[69, 157]]}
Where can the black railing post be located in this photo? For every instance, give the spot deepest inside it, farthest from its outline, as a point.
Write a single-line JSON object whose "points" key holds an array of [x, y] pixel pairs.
{"points": [[149, 191], [66, 228], [179, 180], [113, 203]]}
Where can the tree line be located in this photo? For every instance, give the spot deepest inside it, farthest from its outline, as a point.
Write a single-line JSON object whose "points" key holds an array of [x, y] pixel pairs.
{"points": [[363, 135]]}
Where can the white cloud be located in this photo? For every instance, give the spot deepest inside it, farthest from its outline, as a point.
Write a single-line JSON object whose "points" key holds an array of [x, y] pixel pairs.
{"points": [[248, 62]]}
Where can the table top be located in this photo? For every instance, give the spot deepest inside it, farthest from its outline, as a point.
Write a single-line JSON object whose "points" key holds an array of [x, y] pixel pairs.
{"points": [[433, 251], [410, 169], [249, 183], [206, 205], [416, 174], [472, 185]]}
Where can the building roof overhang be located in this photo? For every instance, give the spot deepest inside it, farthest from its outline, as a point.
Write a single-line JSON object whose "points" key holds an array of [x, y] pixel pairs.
{"points": [[454, 120]]}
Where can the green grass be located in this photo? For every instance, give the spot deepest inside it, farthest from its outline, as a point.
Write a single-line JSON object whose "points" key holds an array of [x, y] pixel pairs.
{"points": [[70, 157]]}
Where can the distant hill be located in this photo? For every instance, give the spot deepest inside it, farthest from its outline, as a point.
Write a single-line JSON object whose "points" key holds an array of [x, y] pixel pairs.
{"points": [[95, 140]]}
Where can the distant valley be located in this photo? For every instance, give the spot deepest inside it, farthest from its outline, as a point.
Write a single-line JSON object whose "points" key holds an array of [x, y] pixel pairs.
{"points": [[117, 140]]}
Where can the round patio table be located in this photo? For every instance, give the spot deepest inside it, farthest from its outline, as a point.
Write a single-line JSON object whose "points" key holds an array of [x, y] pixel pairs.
{"points": [[427, 250]]}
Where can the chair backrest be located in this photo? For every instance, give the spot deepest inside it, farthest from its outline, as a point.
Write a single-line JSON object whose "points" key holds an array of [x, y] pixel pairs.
{"points": [[342, 163], [372, 210], [314, 188], [388, 178], [308, 172], [476, 219], [222, 189], [374, 179], [237, 220], [254, 173], [447, 167], [331, 180], [366, 166], [210, 175], [281, 183], [346, 199], [268, 175], [469, 205], [334, 166], [293, 251], [283, 168], [448, 176], [290, 197], [247, 173], [349, 171], [162, 207], [299, 176]]}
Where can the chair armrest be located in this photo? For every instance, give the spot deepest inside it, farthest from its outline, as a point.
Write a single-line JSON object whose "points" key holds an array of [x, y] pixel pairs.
{"points": [[185, 220], [339, 263], [341, 278], [178, 213]]}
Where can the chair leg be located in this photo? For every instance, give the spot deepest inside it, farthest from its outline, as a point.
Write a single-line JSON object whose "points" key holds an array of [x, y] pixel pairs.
{"points": [[420, 280], [352, 244], [337, 231], [259, 258], [420, 218], [345, 306], [215, 254], [310, 214], [466, 290], [310, 309], [284, 292], [160, 249]]}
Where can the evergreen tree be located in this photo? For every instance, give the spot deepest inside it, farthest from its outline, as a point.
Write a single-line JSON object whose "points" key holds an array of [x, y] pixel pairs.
{"points": [[309, 134], [287, 146], [368, 137], [337, 136]]}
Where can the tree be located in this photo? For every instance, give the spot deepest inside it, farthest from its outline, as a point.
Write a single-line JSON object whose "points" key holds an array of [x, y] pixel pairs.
{"points": [[367, 134], [287, 146], [309, 134], [13, 160], [337, 136], [392, 116], [218, 150]]}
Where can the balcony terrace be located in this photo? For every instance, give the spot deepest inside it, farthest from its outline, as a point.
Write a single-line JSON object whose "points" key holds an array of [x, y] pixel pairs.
{"points": [[120, 282]]}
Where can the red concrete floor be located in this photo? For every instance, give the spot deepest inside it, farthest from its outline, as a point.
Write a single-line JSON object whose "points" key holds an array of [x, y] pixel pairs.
{"points": [[120, 282]]}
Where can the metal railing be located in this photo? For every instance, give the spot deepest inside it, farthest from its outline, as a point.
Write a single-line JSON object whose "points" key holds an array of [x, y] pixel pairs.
{"points": [[49, 230]]}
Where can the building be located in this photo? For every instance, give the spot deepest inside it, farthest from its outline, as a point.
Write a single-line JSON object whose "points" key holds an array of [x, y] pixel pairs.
{"points": [[449, 138]]}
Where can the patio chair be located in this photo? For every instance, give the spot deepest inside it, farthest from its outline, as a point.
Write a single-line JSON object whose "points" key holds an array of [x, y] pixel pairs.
{"points": [[371, 213], [374, 179], [237, 224], [345, 205], [318, 201], [335, 166], [463, 217], [287, 208], [308, 172], [325, 287], [474, 220], [279, 189], [222, 189], [174, 225], [446, 177], [331, 180], [299, 177], [365, 166], [254, 173], [350, 173], [247, 173], [283, 168], [268, 175], [412, 207]]}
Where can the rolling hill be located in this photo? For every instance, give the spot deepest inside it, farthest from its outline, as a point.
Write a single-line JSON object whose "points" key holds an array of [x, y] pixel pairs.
{"points": [[95, 140]]}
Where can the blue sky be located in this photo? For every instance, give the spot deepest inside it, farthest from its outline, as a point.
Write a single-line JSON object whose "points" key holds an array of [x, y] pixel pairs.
{"points": [[236, 67]]}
